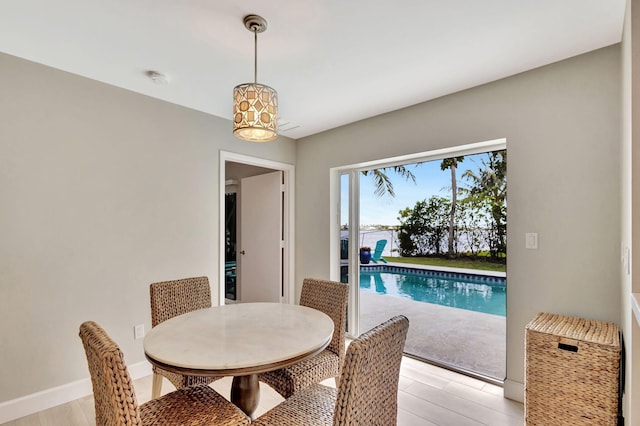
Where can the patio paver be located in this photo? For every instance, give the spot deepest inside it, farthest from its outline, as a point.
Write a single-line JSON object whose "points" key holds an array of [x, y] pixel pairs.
{"points": [[459, 338]]}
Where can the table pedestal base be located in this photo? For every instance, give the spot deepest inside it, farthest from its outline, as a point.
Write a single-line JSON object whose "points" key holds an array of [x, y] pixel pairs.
{"points": [[245, 393]]}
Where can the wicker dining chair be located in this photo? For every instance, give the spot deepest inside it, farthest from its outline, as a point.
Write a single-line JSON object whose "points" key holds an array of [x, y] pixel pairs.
{"points": [[368, 389], [170, 299], [329, 297], [115, 398]]}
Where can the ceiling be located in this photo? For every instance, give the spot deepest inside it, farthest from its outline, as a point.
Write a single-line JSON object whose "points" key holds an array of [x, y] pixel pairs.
{"points": [[332, 62]]}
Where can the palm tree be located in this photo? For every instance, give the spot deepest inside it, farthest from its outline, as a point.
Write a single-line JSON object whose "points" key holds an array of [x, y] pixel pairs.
{"points": [[383, 182], [452, 164], [490, 184]]}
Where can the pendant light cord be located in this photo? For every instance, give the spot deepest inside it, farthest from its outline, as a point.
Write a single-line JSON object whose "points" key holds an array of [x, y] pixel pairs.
{"points": [[255, 55]]}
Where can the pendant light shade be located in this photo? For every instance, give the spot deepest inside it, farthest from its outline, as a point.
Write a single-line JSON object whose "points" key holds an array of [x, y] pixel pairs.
{"points": [[255, 106], [255, 112]]}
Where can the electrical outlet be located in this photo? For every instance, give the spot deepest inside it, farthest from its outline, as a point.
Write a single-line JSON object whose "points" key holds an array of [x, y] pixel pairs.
{"points": [[138, 331]]}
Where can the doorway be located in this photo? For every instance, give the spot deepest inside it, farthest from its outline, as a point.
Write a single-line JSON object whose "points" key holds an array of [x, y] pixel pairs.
{"points": [[256, 229], [400, 279]]}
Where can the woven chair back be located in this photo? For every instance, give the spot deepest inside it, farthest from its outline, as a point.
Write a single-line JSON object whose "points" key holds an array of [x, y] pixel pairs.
{"points": [[329, 297], [115, 399], [368, 389], [173, 298]]}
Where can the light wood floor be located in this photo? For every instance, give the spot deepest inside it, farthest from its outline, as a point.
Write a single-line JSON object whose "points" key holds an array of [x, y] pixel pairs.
{"points": [[428, 396]]}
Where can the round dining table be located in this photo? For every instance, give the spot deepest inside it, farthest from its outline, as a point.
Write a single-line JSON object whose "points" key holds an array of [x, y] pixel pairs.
{"points": [[239, 340]]}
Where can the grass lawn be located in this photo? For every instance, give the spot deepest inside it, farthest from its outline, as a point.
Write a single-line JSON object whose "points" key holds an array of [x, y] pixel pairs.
{"points": [[452, 263]]}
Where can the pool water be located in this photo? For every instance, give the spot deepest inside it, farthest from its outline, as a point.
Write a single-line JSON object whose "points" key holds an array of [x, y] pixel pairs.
{"points": [[464, 291]]}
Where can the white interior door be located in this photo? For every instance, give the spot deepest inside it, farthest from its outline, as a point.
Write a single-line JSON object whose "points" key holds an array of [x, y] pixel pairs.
{"points": [[260, 275]]}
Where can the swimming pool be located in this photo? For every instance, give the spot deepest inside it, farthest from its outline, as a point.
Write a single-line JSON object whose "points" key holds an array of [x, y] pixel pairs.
{"points": [[465, 291]]}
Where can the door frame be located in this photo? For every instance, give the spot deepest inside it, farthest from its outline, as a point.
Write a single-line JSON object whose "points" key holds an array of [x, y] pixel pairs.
{"points": [[288, 222], [353, 170]]}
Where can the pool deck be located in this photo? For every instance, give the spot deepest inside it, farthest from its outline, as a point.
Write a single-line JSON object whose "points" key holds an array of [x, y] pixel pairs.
{"points": [[466, 340]]}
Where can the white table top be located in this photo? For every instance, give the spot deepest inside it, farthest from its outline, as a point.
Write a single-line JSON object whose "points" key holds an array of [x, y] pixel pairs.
{"points": [[239, 338]]}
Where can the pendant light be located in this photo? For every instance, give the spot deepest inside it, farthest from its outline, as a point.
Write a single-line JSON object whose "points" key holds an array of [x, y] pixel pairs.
{"points": [[255, 106]]}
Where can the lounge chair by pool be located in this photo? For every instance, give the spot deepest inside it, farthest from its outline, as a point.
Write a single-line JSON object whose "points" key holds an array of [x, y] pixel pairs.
{"points": [[377, 254]]}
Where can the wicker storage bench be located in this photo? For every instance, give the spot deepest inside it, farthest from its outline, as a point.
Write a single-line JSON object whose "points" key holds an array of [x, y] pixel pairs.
{"points": [[571, 371]]}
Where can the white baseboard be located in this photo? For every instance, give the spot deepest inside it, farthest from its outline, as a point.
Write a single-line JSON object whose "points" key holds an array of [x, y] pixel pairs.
{"points": [[514, 390], [29, 404]]}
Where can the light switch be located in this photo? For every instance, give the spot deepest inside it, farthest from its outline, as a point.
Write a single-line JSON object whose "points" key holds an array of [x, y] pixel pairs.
{"points": [[531, 240], [626, 261]]}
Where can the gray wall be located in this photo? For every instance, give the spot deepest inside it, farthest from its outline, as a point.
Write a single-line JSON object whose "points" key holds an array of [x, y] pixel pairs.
{"points": [[562, 126], [630, 190], [102, 191]]}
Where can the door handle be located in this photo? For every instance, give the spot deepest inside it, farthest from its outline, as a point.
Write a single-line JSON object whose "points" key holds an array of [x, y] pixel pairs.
{"points": [[242, 252]]}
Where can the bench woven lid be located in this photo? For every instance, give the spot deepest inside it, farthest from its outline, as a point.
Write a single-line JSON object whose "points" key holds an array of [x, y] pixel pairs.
{"points": [[586, 330]]}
